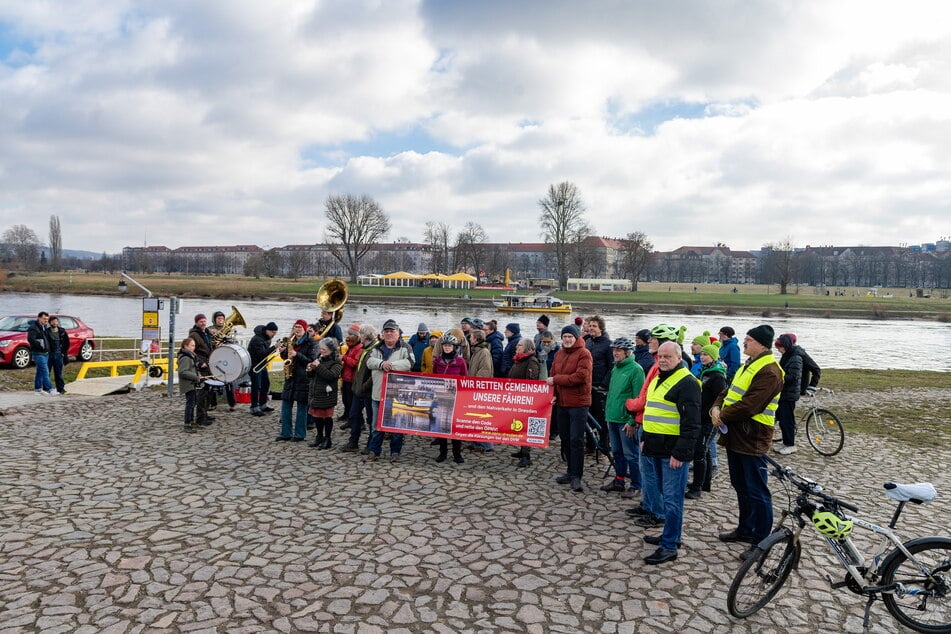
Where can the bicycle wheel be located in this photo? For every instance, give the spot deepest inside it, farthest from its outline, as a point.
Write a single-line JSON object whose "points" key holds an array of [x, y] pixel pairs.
{"points": [[824, 431], [923, 602], [760, 577]]}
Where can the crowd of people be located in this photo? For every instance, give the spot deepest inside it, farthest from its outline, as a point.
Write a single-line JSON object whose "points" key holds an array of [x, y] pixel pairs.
{"points": [[661, 408]]}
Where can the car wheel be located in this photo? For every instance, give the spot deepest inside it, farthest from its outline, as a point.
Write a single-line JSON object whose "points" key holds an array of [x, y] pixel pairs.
{"points": [[85, 351], [21, 358]]}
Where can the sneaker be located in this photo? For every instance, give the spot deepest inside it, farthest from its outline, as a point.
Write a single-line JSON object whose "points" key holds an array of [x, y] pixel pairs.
{"points": [[749, 553], [267, 408], [42, 393], [564, 478], [614, 485], [370, 457], [785, 450], [395, 457], [630, 493]]}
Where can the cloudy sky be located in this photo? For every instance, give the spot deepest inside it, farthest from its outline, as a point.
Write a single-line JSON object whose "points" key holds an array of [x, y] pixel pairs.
{"points": [[181, 123]]}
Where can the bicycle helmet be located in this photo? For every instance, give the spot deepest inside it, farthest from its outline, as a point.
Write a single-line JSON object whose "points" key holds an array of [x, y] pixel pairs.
{"points": [[477, 323], [622, 343], [448, 339], [665, 332], [831, 524]]}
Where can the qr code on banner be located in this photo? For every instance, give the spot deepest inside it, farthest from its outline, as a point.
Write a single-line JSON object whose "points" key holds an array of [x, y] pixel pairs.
{"points": [[536, 426]]}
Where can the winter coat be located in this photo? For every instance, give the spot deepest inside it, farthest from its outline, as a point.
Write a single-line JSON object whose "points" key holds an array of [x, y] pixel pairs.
{"points": [[696, 367], [350, 361], [712, 383], [187, 371], [39, 338], [419, 345], [508, 355], [426, 364], [258, 346], [335, 331], [324, 380], [496, 346], [571, 376], [745, 435], [297, 387], [480, 361], [627, 378], [455, 366], [686, 395], [401, 356], [643, 356], [202, 344], [526, 368], [810, 371], [730, 355], [602, 359], [791, 363], [363, 376]]}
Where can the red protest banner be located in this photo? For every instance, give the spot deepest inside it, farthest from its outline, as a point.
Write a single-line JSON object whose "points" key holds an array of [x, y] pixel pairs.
{"points": [[501, 411]]}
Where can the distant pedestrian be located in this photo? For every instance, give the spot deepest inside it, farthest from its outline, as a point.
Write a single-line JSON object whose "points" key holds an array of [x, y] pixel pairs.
{"points": [[38, 337]]}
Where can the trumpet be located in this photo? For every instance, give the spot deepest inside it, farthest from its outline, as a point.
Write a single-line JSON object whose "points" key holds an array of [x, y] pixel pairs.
{"points": [[331, 297], [270, 354]]}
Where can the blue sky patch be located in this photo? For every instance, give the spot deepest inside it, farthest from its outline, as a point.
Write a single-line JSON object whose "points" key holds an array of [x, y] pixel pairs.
{"points": [[645, 121], [12, 43], [380, 144]]}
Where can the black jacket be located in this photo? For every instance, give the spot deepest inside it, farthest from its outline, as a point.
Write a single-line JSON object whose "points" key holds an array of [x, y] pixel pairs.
{"points": [[810, 370], [39, 338], [63, 343], [602, 359], [258, 346], [202, 345], [686, 394], [297, 387], [791, 363]]}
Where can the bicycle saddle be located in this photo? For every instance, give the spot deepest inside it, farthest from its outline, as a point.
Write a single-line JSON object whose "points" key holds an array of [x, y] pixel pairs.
{"points": [[919, 493]]}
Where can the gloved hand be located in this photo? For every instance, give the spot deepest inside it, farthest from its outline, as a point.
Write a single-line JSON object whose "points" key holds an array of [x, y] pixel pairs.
{"points": [[810, 391]]}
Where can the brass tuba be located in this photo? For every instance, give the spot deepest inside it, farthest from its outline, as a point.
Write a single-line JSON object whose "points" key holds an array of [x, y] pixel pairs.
{"points": [[331, 297], [232, 321]]}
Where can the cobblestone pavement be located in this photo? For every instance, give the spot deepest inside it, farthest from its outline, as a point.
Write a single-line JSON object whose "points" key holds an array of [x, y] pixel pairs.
{"points": [[113, 520]]}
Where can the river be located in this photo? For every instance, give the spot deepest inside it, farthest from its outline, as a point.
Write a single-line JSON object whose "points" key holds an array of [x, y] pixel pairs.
{"points": [[833, 343]]}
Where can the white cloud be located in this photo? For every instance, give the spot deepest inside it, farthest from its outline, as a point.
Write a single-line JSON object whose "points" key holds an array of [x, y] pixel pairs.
{"points": [[195, 123]]}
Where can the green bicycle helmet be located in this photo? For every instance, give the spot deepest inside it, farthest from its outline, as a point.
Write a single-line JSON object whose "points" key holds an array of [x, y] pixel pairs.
{"points": [[831, 524], [665, 332]]}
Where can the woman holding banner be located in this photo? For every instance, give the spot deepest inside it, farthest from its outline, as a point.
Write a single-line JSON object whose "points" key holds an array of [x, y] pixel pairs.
{"points": [[526, 367], [449, 361]]}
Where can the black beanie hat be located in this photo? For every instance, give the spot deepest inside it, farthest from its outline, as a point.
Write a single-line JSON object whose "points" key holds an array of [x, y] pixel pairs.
{"points": [[544, 320], [572, 330], [763, 334]]}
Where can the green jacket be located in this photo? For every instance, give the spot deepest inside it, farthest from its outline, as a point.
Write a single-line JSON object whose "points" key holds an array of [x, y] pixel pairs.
{"points": [[626, 381]]}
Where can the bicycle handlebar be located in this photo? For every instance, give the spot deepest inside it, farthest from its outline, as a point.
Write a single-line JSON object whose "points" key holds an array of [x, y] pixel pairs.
{"points": [[807, 486]]}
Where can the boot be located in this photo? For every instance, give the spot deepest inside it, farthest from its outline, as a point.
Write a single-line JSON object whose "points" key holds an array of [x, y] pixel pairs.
{"points": [[318, 441], [350, 447], [326, 444], [255, 410], [693, 492], [189, 428], [524, 460], [457, 456], [442, 455]]}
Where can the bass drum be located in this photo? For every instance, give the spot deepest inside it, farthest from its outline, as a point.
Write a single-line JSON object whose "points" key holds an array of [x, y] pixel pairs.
{"points": [[229, 362]]}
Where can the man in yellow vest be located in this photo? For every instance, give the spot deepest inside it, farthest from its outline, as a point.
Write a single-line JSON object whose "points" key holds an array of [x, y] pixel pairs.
{"points": [[670, 428], [745, 414]]}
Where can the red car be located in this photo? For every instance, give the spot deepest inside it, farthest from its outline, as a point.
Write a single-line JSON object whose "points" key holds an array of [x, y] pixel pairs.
{"points": [[15, 349]]}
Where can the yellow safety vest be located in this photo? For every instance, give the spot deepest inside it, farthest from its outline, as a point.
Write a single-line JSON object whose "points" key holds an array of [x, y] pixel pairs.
{"points": [[741, 383], [660, 415]]}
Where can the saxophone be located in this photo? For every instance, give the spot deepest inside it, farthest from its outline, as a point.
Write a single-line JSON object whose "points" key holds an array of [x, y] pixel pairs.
{"points": [[289, 342]]}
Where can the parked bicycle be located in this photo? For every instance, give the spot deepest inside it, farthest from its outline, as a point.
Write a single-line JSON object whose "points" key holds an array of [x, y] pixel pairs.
{"points": [[913, 578], [824, 431]]}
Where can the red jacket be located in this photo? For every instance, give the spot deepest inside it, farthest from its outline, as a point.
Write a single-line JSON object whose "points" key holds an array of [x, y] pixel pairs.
{"points": [[571, 375], [350, 361]]}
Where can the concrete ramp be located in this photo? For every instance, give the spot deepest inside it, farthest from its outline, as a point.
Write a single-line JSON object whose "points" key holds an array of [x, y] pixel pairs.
{"points": [[99, 386]]}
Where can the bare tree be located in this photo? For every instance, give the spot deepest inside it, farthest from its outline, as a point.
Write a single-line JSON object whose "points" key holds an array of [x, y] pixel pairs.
{"points": [[23, 246], [470, 248], [561, 218], [583, 256], [437, 237], [56, 244], [356, 225], [635, 256], [780, 263], [296, 263]]}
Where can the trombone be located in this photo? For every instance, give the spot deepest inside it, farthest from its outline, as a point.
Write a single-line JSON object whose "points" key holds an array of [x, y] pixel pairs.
{"points": [[272, 352]]}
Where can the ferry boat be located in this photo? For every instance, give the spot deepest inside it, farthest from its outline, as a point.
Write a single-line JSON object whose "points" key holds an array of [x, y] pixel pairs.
{"points": [[513, 303], [415, 401]]}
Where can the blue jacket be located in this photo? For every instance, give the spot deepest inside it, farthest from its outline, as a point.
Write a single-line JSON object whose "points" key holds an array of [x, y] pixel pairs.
{"points": [[418, 344], [730, 355], [508, 355], [496, 345], [642, 354]]}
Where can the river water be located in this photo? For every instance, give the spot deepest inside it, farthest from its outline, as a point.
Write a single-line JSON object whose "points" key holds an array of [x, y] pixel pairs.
{"points": [[833, 343]]}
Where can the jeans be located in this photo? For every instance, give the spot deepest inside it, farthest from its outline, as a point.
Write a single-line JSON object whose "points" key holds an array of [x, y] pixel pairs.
{"points": [[714, 461], [56, 365], [300, 421], [748, 475], [652, 498], [624, 450], [361, 408], [346, 393], [42, 379], [376, 436], [660, 475], [786, 417], [260, 388], [190, 399], [571, 427]]}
